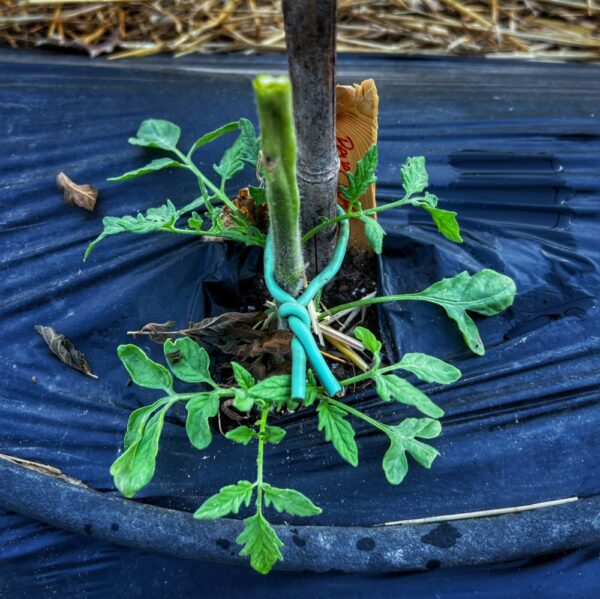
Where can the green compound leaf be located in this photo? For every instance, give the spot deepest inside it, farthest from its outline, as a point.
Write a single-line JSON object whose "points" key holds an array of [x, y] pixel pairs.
{"points": [[199, 409], [188, 361], [242, 377], [156, 133], [275, 389], [208, 137], [338, 431], [414, 175], [486, 292], [390, 386], [429, 368], [151, 167], [138, 419], [374, 232], [403, 440], [363, 176], [250, 144], [274, 434], [242, 434], [143, 371], [368, 340], [290, 501], [261, 543], [228, 500], [134, 468]]}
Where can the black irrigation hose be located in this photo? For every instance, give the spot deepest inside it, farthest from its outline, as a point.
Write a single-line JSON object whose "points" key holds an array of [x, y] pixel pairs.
{"points": [[317, 548]]}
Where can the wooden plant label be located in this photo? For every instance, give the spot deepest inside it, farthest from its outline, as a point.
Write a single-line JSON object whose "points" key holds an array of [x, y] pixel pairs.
{"points": [[356, 131]]}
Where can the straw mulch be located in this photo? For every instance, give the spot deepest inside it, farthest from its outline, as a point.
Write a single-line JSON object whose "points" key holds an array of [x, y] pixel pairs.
{"points": [[540, 29]]}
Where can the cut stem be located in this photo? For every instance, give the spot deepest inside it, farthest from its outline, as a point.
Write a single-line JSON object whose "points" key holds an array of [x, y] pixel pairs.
{"points": [[274, 102]]}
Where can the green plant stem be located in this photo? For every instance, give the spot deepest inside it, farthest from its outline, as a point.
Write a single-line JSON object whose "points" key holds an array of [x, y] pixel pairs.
{"points": [[376, 300], [260, 458], [360, 415], [327, 223], [274, 103], [367, 375]]}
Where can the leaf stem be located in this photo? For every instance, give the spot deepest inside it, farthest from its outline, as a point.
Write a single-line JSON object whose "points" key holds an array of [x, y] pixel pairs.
{"points": [[260, 457], [327, 223], [360, 415], [375, 300]]}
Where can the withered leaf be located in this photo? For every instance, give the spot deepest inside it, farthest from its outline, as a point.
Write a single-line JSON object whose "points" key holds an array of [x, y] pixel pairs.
{"points": [[158, 332], [61, 347], [84, 196]]}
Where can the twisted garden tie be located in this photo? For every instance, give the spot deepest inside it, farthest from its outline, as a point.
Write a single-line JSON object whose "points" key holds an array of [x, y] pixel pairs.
{"points": [[295, 311]]}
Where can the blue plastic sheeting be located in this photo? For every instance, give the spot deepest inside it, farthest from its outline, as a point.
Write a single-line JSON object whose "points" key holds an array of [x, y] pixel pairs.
{"points": [[514, 148]]}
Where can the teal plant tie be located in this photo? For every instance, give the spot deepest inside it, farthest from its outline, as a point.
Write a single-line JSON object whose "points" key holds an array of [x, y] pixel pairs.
{"points": [[295, 311]]}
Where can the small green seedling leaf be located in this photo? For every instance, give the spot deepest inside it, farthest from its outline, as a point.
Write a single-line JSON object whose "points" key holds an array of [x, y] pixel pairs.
{"points": [[242, 377], [208, 137], [274, 434], [363, 176], [152, 167], [374, 232], [242, 434], [242, 400], [231, 163], [227, 501], [338, 431], [276, 389], [368, 340], [390, 386], [414, 175], [429, 368], [261, 543], [188, 361], [290, 501], [134, 468], [199, 409], [446, 223], [258, 194], [143, 371], [156, 133], [486, 292], [249, 142], [403, 440]]}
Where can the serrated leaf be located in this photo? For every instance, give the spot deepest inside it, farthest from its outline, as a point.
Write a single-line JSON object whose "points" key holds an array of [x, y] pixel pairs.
{"points": [[231, 163], [414, 175], [274, 434], [242, 434], [250, 144], [242, 377], [338, 431], [403, 440], [195, 221], [134, 468], [290, 501], [258, 194], [429, 368], [390, 386], [261, 543], [188, 361], [363, 176], [228, 500], [199, 409], [446, 223], [143, 371], [486, 292], [374, 233], [368, 340], [208, 137], [151, 167], [157, 133]]}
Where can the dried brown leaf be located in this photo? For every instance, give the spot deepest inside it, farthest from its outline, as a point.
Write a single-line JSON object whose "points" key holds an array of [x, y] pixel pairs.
{"points": [[84, 196], [157, 331], [66, 352]]}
